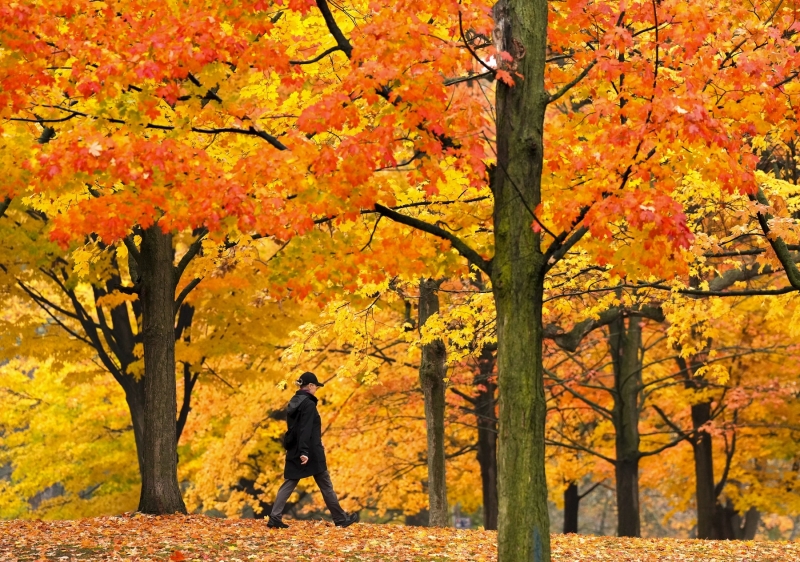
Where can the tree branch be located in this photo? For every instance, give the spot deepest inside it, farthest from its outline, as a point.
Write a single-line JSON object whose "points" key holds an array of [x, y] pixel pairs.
{"points": [[465, 396], [318, 57], [194, 248], [185, 292], [453, 81], [341, 41], [676, 428], [572, 83], [132, 249], [472, 256], [779, 246], [572, 339]]}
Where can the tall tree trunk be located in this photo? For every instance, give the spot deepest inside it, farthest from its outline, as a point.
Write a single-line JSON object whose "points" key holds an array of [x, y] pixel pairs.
{"points": [[705, 494], [432, 372], [572, 502], [487, 435], [518, 270], [626, 472], [160, 491], [625, 346]]}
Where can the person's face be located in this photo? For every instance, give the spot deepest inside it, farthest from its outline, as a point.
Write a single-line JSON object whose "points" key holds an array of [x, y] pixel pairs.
{"points": [[312, 388]]}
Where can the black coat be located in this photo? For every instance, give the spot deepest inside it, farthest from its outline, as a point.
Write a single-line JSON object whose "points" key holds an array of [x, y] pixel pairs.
{"points": [[302, 417]]}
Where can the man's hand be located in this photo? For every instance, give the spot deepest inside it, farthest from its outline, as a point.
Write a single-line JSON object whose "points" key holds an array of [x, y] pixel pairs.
{"points": [[303, 459]]}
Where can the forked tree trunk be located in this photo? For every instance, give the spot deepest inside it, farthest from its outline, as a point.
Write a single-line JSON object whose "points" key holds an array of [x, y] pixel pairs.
{"points": [[125, 340], [160, 491], [432, 372], [572, 503], [487, 435], [625, 346], [730, 525], [518, 271]]}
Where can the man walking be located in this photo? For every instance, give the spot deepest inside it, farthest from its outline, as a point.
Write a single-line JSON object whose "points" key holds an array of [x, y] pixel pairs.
{"points": [[305, 455]]}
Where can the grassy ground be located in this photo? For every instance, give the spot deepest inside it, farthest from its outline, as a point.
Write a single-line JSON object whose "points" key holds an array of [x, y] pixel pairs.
{"points": [[203, 538]]}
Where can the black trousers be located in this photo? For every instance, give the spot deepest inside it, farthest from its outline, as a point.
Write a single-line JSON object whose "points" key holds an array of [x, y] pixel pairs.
{"points": [[323, 480]]}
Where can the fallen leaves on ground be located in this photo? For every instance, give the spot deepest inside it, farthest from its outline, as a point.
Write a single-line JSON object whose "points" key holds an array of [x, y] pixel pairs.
{"points": [[200, 538]]}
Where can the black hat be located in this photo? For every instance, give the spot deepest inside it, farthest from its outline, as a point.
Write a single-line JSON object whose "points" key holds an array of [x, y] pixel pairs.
{"points": [[308, 378]]}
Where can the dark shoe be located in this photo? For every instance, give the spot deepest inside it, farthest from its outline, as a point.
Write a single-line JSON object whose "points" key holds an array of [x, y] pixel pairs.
{"points": [[352, 518], [276, 523]]}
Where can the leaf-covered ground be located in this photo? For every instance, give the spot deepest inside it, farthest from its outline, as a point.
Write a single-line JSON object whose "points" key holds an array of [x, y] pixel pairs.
{"points": [[203, 538]]}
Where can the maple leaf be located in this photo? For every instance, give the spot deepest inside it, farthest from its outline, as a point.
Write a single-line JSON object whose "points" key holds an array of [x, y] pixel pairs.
{"points": [[95, 149], [504, 77]]}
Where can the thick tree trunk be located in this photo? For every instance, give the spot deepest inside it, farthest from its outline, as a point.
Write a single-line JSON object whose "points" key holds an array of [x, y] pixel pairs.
{"points": [[432, 372], [518, 270], [572, 502], [160, 491], [625, 346], [487, 435]]}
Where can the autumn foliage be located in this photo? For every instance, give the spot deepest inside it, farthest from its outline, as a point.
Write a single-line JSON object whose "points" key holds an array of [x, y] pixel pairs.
{"points": [[544, 255], [200, 538]]}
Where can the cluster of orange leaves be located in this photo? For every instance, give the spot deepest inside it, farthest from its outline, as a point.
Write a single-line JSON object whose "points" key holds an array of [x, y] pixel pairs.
{"points": [[197, 537]]}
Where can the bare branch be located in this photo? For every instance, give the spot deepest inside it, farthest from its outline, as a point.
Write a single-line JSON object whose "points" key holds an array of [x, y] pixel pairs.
{"points": [[193, 250], [318, 57], [572, 83], [185, 292], [341, 41]]}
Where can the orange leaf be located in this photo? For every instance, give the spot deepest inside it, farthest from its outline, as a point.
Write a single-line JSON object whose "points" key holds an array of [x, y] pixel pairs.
{"points": [[504, 77]]}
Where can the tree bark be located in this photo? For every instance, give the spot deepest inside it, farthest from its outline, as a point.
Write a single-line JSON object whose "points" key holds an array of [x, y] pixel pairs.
{"points": [[572, 502], [487, 435], [432, 372], [625, 346], [160, 491], [518, 270]]}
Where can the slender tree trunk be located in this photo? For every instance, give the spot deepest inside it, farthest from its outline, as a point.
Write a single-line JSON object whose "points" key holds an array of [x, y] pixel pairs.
{"points": [[572, 502], [160, 491], [487, 435], [185, 316], [518, 270], [432, 372], [626, 358], [705, 494]]}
